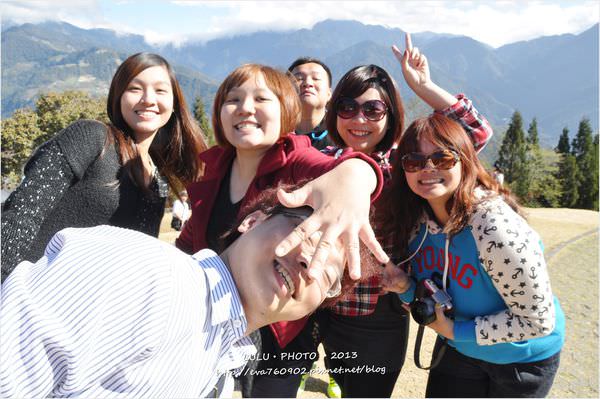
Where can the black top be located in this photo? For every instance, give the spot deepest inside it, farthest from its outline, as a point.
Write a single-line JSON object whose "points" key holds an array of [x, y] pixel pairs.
{"points": [[223, 217], [73, 180], [319, 136]]}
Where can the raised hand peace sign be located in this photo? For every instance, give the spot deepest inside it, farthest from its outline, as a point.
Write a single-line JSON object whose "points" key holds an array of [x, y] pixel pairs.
{"points": [[415, 67]]}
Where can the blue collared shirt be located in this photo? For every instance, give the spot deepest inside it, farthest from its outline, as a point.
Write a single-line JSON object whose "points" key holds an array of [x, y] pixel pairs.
{"points": [[110, 312]]}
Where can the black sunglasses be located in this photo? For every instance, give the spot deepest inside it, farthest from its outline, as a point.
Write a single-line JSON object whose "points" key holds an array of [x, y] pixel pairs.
{"points": [[373, 110], [441, 159]]}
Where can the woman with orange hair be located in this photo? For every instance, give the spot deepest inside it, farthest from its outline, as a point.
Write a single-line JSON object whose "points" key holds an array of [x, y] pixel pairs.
{"points": [[256, 109], [464, 235]]}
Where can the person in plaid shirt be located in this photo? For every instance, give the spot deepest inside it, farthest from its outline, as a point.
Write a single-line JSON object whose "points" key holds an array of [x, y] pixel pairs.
{"points": [[369, 328]]}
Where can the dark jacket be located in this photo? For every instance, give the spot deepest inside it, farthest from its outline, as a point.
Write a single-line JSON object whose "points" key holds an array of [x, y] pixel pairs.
{"points": [[74, 180]]}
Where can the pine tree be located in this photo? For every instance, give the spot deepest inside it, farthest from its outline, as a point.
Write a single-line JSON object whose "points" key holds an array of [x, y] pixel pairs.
{"points": [[512, 157], [583, 150], [569, 178], [535, 165], [595, 162], [563, 146], [200, 116]]}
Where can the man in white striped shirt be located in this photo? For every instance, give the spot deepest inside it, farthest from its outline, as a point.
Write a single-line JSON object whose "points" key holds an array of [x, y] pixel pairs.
{"points": [[110, 312]]}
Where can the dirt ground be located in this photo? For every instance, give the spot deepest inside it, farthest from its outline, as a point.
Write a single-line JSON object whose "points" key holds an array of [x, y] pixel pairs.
{"points": [[571, 245]]}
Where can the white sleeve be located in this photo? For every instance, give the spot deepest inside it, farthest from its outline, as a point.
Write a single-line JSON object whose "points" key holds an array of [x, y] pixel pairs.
{"points": [[511, 253], [86, 310], [178, 209]]}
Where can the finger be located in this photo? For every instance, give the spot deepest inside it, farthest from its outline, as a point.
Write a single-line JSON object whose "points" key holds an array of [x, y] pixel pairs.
{"points": [[419, 61], [322, 251], [302, 232], [397, 53], [367, 236], [408, 41], [295, 198], [352, 247], [416, 53], [406, 307], [439, 311]]}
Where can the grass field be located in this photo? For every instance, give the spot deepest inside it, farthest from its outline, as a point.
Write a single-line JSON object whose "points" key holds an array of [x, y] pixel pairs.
{"points": [[570, 239]]}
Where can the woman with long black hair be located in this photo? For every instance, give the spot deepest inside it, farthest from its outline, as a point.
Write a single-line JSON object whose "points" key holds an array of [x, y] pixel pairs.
{"points": [[118, 174]]}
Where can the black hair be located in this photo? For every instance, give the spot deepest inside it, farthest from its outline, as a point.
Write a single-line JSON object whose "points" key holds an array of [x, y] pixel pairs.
{"points": [[310, 60], [354, 83]]}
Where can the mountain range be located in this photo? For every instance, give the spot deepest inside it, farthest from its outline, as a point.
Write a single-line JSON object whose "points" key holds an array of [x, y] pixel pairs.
{"points": [[552, 78]]}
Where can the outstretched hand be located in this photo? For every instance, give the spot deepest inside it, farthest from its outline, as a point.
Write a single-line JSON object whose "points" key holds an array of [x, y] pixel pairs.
{"points": [[415, 67], [341, 212]]}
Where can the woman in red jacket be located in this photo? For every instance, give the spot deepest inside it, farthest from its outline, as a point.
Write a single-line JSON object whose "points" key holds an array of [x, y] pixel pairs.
{"points": [[255, 107]]}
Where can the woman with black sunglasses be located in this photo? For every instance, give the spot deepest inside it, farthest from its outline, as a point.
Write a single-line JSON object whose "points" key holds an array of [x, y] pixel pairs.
{"points": [[464, 232], [365, 112]]}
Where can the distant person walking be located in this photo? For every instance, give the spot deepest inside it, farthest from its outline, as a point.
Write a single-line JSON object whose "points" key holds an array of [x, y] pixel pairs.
{"points": [[181, 211], [117, 174], [498, 175]]}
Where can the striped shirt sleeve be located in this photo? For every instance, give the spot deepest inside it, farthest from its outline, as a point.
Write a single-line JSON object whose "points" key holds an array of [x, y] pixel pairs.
{"points": [[110, 312]]}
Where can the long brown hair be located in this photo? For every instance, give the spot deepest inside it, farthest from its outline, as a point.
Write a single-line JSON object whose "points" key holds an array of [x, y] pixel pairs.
{"points": [[354, 83], [399, 209], [176, 146], [278, 82]]}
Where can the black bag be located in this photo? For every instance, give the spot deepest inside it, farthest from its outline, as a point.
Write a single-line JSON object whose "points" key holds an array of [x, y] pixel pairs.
{"points": [[176, 223]]}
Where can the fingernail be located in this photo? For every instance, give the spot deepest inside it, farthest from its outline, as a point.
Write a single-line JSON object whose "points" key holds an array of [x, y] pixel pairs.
{"points": [[280, 250], [314, 274]]}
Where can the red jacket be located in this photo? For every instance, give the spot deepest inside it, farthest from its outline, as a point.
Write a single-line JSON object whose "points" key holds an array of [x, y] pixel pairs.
{"points": [[290, 160]]}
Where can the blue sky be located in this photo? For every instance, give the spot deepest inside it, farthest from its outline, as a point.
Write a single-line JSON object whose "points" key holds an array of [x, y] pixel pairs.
{"points": [[492, 22]]}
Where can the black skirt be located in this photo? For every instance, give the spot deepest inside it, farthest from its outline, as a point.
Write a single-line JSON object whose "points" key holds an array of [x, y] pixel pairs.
{"points": [[378, 339]]}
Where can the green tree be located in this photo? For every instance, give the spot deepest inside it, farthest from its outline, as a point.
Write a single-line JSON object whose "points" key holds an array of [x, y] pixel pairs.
{"points": [[205, 126], [534, 176], [58, 110], [563, 146], [512, 157], [550, 196], [595, 162], [583, 150], [26, 129], [20, 132], [569, 178]]}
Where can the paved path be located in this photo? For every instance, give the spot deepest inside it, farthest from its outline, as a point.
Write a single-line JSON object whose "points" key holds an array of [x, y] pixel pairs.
{"points": [[550, 254]]}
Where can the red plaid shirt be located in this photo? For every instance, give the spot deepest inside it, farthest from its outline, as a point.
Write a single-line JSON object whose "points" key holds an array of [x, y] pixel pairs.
{"points": [[363, 299]]}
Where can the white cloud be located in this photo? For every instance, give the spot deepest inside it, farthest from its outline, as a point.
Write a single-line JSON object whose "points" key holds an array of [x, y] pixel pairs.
{"points": [[85, 14], [492, 22]]}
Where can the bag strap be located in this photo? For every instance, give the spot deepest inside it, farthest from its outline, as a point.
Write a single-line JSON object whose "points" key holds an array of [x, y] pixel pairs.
{"points": [[434, 362]]}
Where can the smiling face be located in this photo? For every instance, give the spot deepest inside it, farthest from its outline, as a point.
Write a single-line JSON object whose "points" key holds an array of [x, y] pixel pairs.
{"points": [[435, 185], [313, 85], [147, 102], [278, 288], [251, 115], [359, 132]]}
